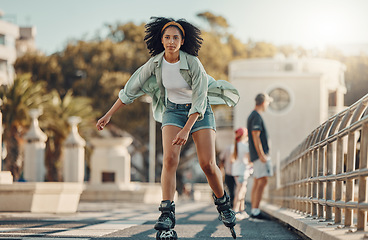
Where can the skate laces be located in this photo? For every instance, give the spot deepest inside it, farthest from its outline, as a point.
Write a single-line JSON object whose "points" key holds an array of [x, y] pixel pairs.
{"points": [[227, 214], [164, 216], [167, 234]]}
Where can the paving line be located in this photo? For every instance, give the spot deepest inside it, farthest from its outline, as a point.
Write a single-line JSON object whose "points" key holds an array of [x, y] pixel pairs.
{"points": [[43, 238], [47, 238], [83, 233], [2, 230], [114, 225]]}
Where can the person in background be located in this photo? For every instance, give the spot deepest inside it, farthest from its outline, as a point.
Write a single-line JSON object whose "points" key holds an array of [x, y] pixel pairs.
{"points": [[240, 170], [226, 166], [259, 152]]}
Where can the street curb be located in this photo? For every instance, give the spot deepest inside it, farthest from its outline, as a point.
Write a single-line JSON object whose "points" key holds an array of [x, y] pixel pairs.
{"points": [[312, 228]]}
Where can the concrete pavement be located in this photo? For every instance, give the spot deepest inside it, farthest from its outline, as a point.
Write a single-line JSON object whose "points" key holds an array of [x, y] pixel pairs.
{"points": [[195, 220]]}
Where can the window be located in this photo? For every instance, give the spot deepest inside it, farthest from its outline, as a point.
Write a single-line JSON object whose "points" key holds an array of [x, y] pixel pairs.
{"points": [[108, 177], [289, 67], [10, 41], [281, 99], [332, 99], [3, 65], [2, 39]]}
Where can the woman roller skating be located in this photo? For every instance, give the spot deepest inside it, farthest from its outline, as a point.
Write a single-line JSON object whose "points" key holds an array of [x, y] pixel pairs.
{"points": [[182, 95]]}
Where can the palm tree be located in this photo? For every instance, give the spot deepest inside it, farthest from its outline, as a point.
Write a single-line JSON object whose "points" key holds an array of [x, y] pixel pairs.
{"points": [[54, 121], [17, 100]]}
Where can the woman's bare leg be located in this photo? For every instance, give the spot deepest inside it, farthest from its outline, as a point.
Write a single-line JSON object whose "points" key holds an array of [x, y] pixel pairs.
{"points": [[204, 140], [170, 162]]}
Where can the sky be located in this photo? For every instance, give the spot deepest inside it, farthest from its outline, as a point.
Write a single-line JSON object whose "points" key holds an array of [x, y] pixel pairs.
{"points": [[307, 23]]}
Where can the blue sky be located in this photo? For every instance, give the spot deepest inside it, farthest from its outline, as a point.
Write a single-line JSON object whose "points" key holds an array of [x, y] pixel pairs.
{"points": [[309, 23]]}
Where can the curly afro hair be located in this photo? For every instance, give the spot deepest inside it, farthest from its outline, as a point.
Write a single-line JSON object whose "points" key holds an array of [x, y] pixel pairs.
{"points": [[154, 33]]}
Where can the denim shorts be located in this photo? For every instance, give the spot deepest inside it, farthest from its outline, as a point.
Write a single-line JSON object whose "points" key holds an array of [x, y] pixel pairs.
{"points": [[177, 115]]}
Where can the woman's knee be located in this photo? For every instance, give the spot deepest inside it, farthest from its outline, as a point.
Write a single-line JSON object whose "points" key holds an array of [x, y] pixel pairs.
{"points": [[209, 168], [171, 161]]}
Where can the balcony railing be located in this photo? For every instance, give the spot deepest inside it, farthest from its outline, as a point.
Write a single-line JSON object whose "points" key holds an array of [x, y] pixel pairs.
{"points": [[326, 175]]}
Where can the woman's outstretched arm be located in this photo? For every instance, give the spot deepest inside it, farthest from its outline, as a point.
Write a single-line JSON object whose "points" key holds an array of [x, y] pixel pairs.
{"points": [[101, 123]]}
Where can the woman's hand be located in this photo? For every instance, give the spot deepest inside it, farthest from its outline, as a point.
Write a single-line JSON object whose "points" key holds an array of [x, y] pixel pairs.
{"points": [[181, 138], [101, 123]]}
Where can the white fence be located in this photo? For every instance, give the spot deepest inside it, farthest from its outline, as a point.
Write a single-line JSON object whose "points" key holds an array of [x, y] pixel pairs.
{"points": [[326, 175]]}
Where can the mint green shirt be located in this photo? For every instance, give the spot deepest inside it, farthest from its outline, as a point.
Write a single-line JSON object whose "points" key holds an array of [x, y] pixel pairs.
{"points": [[148, 80]]}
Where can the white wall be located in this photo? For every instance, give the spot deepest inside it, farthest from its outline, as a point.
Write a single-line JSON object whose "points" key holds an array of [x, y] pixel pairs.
{"points": [[288, 128], [308, 82]]}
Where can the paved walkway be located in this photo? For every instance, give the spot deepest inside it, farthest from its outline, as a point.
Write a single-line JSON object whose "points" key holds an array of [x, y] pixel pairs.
{"points": [[129, 221]]}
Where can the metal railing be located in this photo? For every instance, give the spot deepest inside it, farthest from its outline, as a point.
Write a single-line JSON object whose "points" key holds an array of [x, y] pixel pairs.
{"points": [[326, 175]]}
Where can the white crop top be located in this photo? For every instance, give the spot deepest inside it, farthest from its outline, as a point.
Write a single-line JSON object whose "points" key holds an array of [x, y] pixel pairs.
{"points": [[178, 90]]}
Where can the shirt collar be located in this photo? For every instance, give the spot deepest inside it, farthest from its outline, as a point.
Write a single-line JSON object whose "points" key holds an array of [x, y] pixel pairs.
{"points": [[183, 60]]}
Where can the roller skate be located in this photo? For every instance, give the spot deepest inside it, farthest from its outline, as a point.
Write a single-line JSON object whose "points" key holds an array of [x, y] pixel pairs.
{"points": [[166, 222], [226, 214]]}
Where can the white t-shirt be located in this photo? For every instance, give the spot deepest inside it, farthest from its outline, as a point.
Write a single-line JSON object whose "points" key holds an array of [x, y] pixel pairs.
{"points": [[178, 90], [241, 165]]}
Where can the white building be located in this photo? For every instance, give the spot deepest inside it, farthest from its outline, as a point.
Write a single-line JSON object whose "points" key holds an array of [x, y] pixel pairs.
{"points": [[14, 42], [306, 93]]}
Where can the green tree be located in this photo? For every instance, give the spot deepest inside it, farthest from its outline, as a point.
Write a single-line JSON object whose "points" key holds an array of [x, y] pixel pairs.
{"points": [[106, 66], [238, 49], [215, 55], [41, 68], [356, 77], [54, 121], [218, 24], [260, 49], [356, 74], [290, 50], [17, 100], [99, 68]]}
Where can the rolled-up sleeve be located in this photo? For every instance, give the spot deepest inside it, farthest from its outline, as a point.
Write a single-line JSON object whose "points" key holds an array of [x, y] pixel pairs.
{"points": [[199, 89], [133, 88]]}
